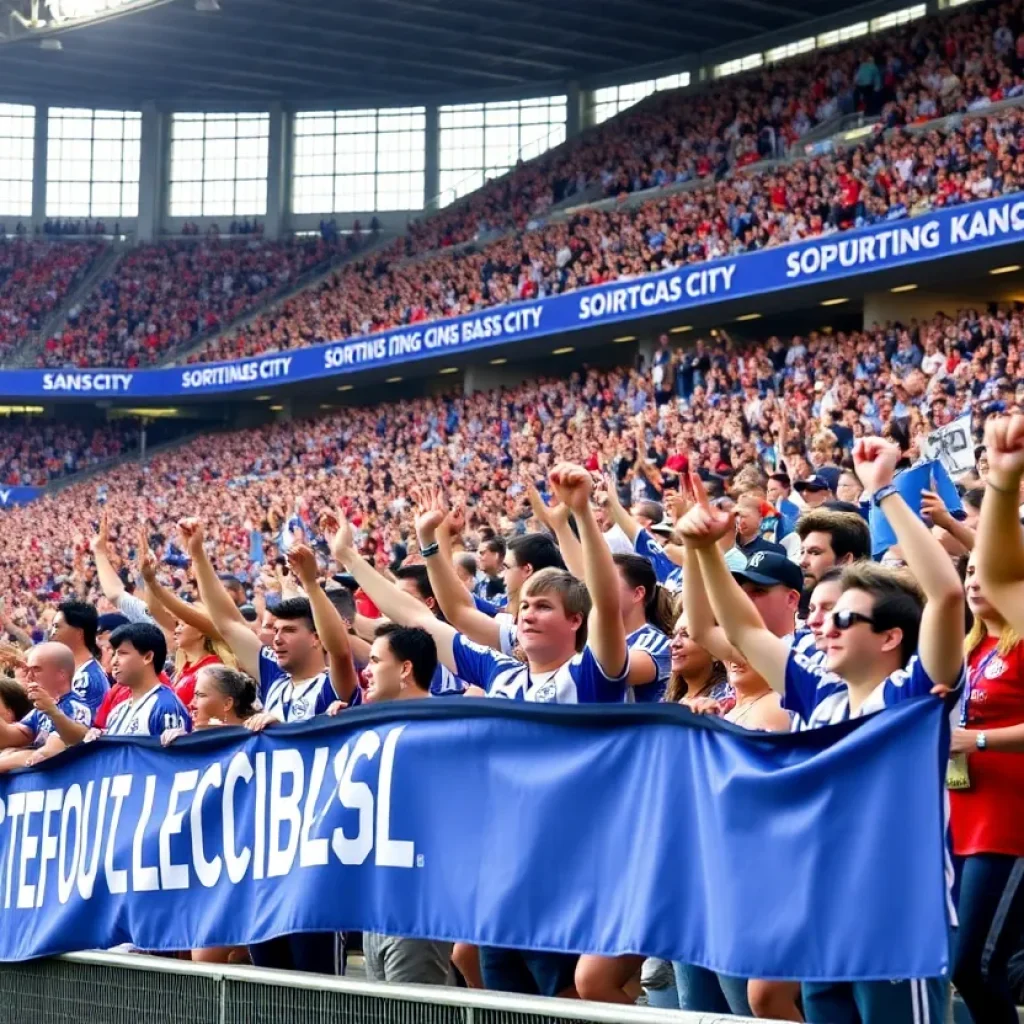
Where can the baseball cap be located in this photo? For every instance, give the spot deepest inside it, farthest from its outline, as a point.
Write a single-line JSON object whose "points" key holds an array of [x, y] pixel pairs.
{"points": [[813, 483], [110, 621], [768, 569]]}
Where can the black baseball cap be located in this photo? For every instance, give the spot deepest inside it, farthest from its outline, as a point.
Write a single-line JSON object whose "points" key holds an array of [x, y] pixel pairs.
{"points": [[813, 483], [768, 569], [110, 621]]}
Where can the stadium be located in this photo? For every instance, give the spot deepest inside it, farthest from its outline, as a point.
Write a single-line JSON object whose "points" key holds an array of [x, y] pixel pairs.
{"points": [[655, 355]]}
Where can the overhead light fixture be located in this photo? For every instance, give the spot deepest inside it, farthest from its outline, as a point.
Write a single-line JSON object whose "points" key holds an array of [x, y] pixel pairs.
{"points": [[834, 302], [680, 330], [624, 339], [325, 406], [900, 288], [277, 408], [346, 387], [448, 369], [826, 329], [1005, 270], [262, 398], [748, 316], [563, 351], [500, 361], [393, 380]]}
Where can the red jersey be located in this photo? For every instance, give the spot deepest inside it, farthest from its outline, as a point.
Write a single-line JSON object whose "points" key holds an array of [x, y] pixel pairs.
{"points": [[989, 816], [117, 694], [185, 680]]}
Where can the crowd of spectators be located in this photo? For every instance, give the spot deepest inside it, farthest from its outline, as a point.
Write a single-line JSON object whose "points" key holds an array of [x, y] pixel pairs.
{"points": [[716, 405], [160, 297], [35, 277], [33, 454], [888, 178], [924, 70]]}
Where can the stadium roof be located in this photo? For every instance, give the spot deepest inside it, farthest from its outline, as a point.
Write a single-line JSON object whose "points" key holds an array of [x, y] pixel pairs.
{"points": [[375, 51]]}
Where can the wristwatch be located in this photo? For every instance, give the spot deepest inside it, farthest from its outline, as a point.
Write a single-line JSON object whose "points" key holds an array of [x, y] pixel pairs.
{"points": [[882, 493], [981, 741]]}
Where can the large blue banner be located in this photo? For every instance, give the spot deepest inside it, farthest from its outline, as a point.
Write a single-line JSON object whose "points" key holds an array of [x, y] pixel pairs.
{"points": [[608, 830], [18, 495], [884, 246]]}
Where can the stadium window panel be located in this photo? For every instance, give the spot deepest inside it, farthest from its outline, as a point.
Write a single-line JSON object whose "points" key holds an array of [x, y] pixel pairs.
{"points": [[92, 154], [479, 141], [614, 99], [901, 17], [740, 64], [794, 49], [362, 151], [843, 35], [219, 165]]}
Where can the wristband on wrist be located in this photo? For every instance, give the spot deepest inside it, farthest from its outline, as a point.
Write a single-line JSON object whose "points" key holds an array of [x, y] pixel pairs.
{"points": [[430, 549], [882, 493]]}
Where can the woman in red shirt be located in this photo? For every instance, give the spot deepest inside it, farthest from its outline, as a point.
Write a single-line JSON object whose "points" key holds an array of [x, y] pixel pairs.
{"points": [[987, 811], [194, 651]]}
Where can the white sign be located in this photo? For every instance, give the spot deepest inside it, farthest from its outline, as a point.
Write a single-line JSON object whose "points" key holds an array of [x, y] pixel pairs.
{"points": [[952, 445]]}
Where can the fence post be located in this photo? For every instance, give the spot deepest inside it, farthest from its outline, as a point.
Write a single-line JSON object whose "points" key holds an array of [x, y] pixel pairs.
{"points": [[222, 1017]]}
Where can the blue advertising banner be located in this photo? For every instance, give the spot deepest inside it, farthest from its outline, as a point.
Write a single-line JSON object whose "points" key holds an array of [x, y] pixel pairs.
{"points": [[593, 829], [946, 232], [18, 495]]}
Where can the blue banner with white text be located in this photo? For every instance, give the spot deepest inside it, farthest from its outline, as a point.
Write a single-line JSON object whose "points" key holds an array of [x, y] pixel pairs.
{"points": [[605, 830], [946, 232], [18, 495]]}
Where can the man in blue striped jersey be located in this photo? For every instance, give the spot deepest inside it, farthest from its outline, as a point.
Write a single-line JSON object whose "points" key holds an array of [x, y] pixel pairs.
{"points": [[75, 625], [891, 636]]}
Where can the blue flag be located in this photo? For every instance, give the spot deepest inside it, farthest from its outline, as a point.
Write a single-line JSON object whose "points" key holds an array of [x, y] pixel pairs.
{"points": [[925, 476], [642, 829]]}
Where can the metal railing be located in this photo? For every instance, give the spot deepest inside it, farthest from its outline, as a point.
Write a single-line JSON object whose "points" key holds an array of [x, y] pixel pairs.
{"points": [[112, 988]]}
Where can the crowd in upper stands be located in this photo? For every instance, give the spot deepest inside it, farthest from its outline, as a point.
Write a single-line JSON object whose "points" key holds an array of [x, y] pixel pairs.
{"points": [[33, 454], [35, 277], [161, 297]]}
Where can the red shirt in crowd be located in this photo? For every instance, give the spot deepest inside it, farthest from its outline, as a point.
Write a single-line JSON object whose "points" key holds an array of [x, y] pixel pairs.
{"points": [[989, 816], [185, 680]]}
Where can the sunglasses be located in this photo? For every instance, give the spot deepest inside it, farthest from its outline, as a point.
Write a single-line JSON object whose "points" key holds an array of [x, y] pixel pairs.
{"points": [[844, 620]]}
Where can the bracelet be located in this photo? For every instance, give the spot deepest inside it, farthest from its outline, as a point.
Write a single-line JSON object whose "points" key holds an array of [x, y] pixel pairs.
{"points": [[430, 549], [1003, 490]]}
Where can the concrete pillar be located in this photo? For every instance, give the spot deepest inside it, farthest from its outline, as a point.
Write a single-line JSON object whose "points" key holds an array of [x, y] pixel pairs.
{"points": [[431, 159], [154, 154], [39, 166], [577, 102], [277, 171]]}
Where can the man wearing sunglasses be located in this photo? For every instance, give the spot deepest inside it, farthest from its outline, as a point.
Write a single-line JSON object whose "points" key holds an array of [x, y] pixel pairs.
{"points": [[887, 639]]}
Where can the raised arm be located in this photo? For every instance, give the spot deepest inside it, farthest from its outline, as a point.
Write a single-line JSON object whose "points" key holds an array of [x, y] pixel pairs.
{"points": [[573, 486], [226, 617], [700, 619], [625, 522], [1000, 541], [702, 528], [941, 644], [70, 731], [394, 603], [110, 583], [164, 602], [330, 626], [454, 600]]}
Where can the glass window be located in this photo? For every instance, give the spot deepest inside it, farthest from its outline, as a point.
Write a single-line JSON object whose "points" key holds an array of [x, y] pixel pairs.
{"points": [[219, 165], [359, 161], [843, 35], [614, 99], [793, 49], [901, 17], [92, 164], [734, 67], [485, 140], [17, 150]]}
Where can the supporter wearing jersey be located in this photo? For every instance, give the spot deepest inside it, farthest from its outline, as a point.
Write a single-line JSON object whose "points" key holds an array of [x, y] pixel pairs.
{"points": [[562, 665], [987, 810], [310, 663], [75, 626], [823, 599], [524, 556], [886, 642], [57, 712], [645, 622], [140, 651]]}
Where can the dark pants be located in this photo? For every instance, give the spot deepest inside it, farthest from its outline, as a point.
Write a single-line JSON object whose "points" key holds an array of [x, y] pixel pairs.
{"points": [[312, 952], [526, 973], [991, 912]]}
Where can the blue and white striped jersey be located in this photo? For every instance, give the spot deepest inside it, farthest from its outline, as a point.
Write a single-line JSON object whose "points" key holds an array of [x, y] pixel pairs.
{"points": [[651, 641], [41, 725], [669, 575], [290, 701], [819, 697], [581, 680], [153, 713], [446, 683], [89, 684]]}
